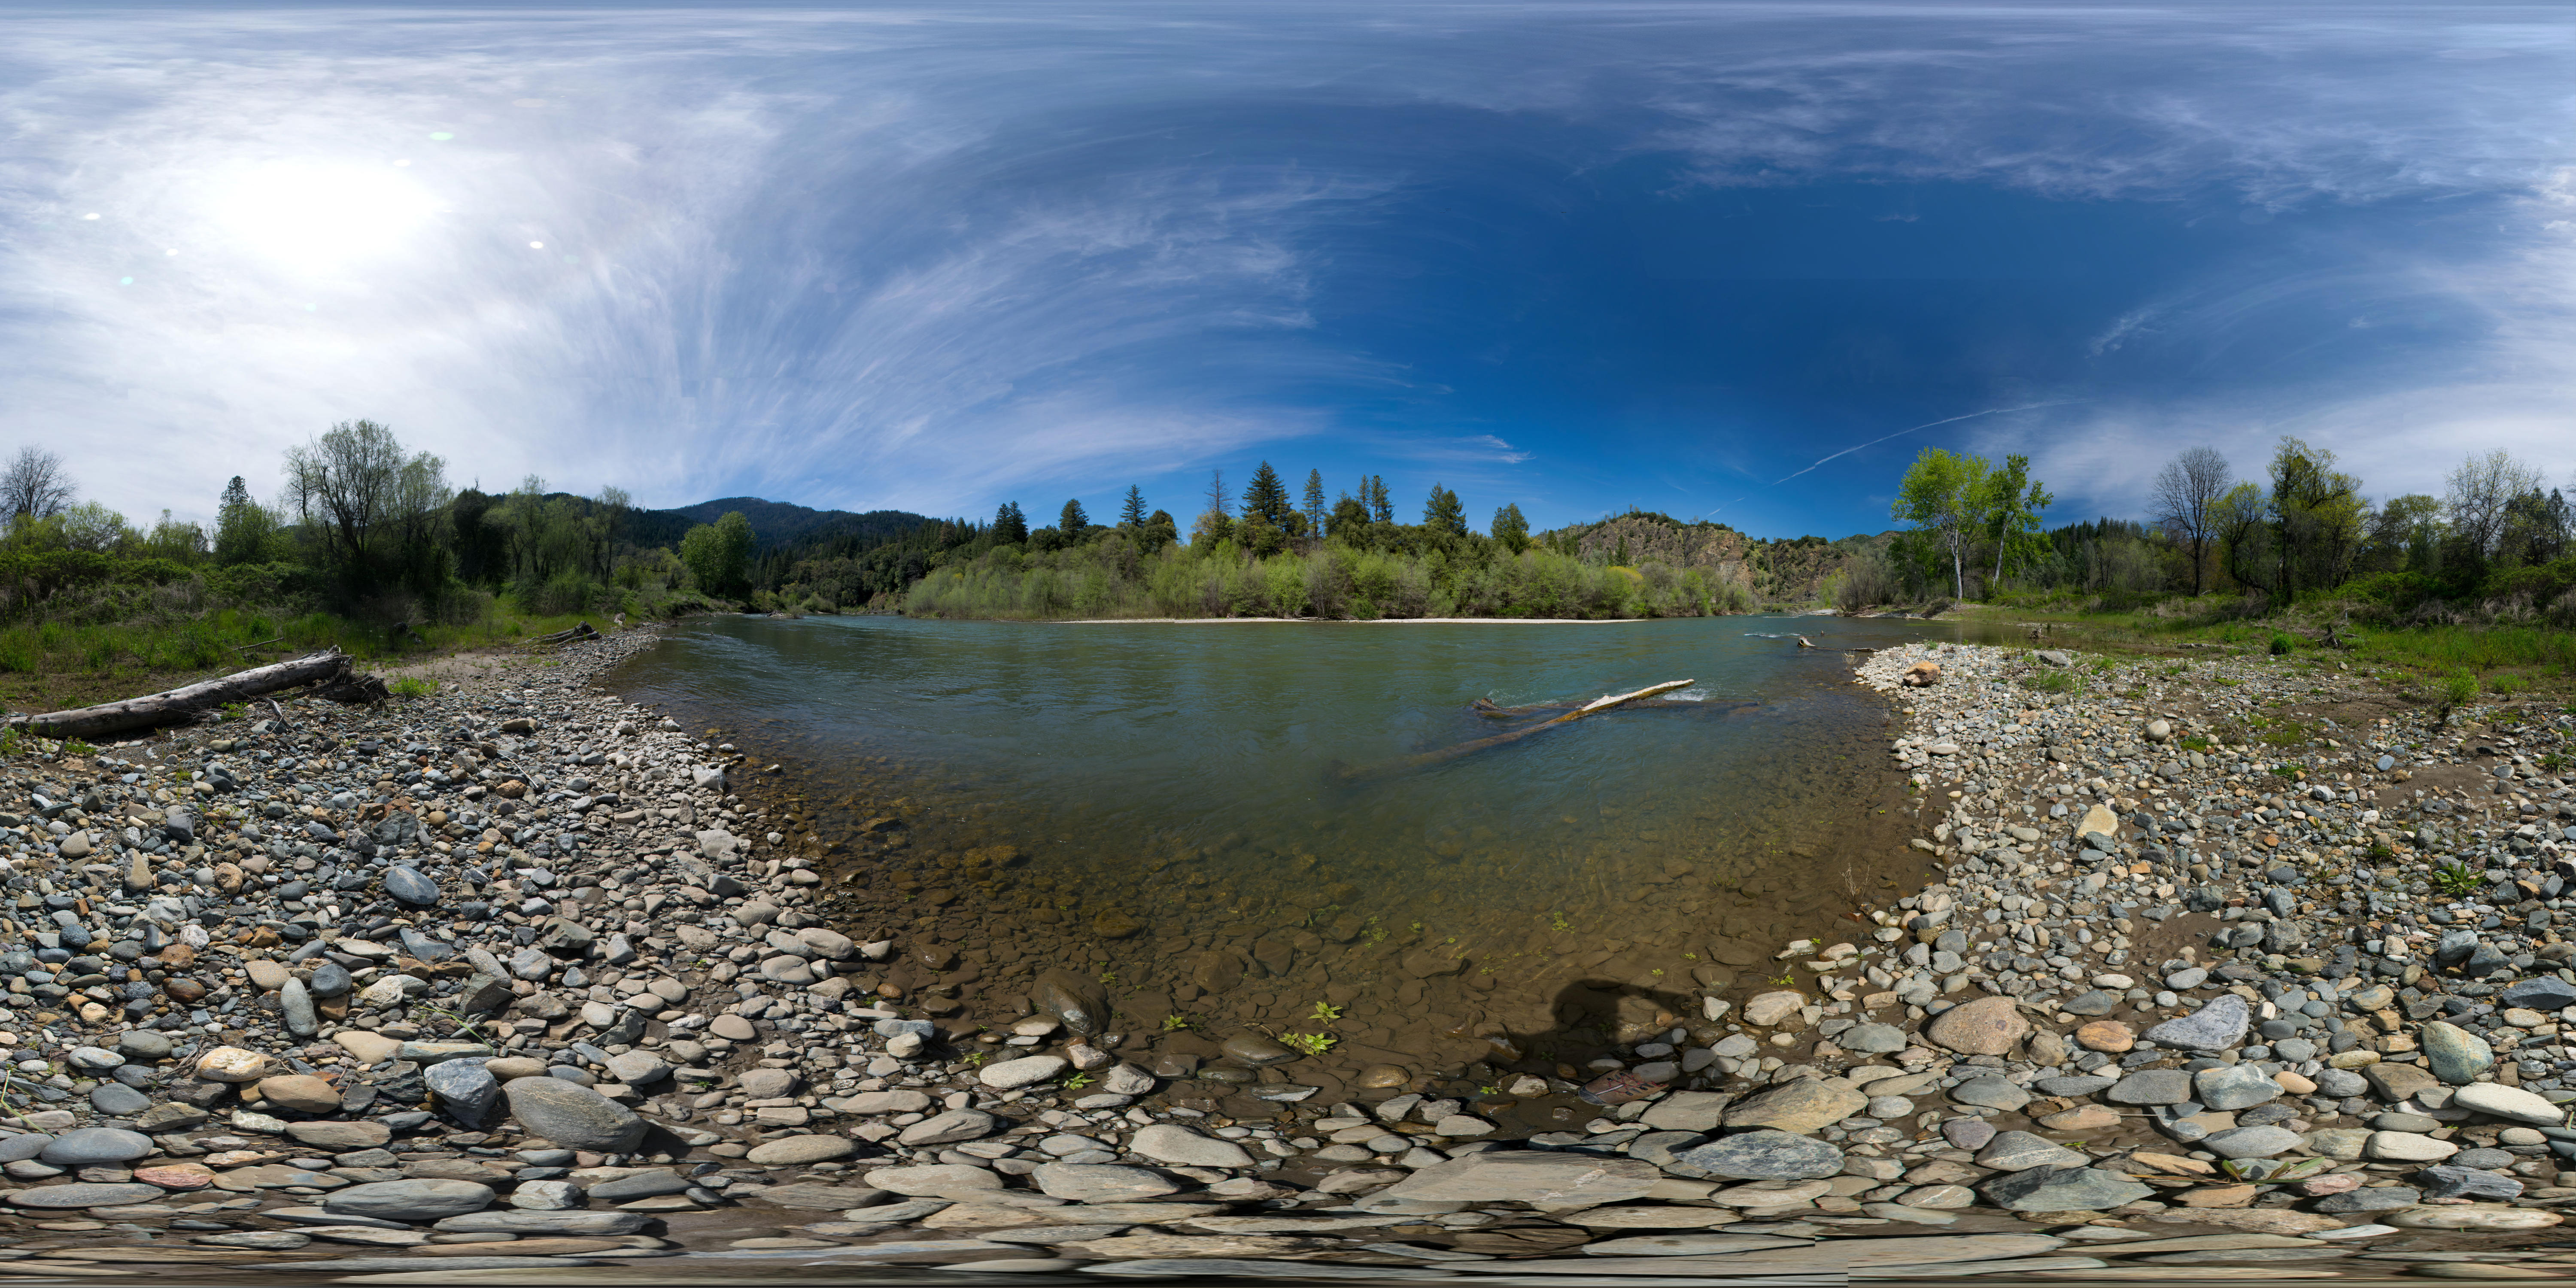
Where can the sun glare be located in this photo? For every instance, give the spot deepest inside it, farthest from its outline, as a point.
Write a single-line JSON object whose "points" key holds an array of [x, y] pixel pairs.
{"points": [[322, 216]]}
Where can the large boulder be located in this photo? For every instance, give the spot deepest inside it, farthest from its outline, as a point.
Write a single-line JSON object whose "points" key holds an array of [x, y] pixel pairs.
{"points": [[573, 1116]]}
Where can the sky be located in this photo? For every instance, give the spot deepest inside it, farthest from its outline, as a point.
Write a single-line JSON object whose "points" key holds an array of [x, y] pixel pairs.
{"points": [[1735, 262]]}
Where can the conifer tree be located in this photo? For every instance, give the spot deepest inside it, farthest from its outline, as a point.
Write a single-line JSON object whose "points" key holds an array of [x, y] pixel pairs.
{"points": [[1381, 506], [1314, 507], [1072, 520], [1010, 527], [1267, 497], [1443, 515], [1132, 514]]}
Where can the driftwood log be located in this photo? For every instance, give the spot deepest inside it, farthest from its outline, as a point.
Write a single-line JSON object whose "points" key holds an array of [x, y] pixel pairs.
{"points": [[1407, 764], [577, 632], [327, 667], [1489, 711]]}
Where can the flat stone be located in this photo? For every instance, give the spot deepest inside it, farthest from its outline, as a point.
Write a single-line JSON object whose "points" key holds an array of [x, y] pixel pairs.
{"points": [[2233, 1086], [466, 1089], [409, 1200], [642, 1185], [2406, 1147], [1101, 1182], [1991, 1093], [1547, 1178], [1021, 1072], [559, 1224], [2215, 1027], [2383, 1198], [1987, 1026], [1764, 1155], [935, 1180], [2073, 1189], [2395, 1082], [2539, 993], [2454, 1054], [2513, 1104], [409, 886], [1689, 1245], [1763, 1010], [1804, 1105], [1171, 1143], [369, 1048], [84, 1195], [1687, 1111], [2344, 1143], [1219, 1269], [300, 1092], [413, 1269], [2151, 1087], [1873, 1039], [95, 1147], [2108, 1036], [945, 1128], [2083, 1118], [573, 1116], [2073, 1086], [2472, 1218], [2015, 1151], [2091, 1002], [340, 1135], [2446, 1181], [794, 1151]]}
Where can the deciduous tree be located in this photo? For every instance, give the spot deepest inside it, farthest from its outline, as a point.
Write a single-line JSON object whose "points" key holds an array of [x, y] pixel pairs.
{"points": [[2185, 503]]}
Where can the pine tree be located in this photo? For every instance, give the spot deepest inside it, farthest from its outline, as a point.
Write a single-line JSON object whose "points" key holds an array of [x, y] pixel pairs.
{"points": [[1511, 528], [1132, 514], [1071, 520], [1314, 503], [235, 493], [1443, 515], [1381, 506], [1010, 527], [1268, 497]]}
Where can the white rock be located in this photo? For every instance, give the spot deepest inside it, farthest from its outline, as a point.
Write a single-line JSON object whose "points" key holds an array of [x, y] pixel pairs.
{"points": [[1021, 1072]]}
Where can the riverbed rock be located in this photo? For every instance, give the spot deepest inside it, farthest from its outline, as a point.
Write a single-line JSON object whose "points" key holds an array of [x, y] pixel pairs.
{"points": [[1022, 1072], [1543, 1177], [800, 1151], [94, 1147], [2233, 1086], [2454, 1054], [1805, 1105], [573, 1116], [2071, 1189], [2215, 1027], [1101, 1182], [1763, 1155], [409, 1200], [1987, 1026], [1173, 1143], [2513, 1104]]}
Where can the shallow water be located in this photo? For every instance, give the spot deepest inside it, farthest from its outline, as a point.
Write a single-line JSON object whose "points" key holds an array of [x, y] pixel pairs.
{"points": [[1165, 809]]}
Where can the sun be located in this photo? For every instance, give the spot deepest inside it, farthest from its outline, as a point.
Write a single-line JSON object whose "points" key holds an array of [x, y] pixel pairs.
{"points": [[322, 216]]}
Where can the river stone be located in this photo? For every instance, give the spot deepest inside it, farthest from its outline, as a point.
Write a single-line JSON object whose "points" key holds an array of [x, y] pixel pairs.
{"points": [[2406, 1147], [116, 1100], [2214, 1027], [1873, 1039], [2251, 1142], [2384, 1198], [1801, 1106], [1545, 1177], [935, 1181], [408, 885], [1687, 1111], [2454, 1054], [2071, 1189], [340, 1135], [2539, 993], [2072, 1087], [946, 1128], [1987, 1026], [2344, 1143], [2017, 1151], [232, 1064], [85, 1195], [1171, 1143], [573, 1116], [2233, 1086], [1991, 1093], [642, 1185], [2446, 1181], [2395, 1082], [1764, 1156], [2512, 1104], [1101, 1182], [2472, 1218], [95, 1147], [1763, 1010], [295, 1007], [796, 1151], [410, 1200], [1076, 1002], [464, 1088], [560, 1224], [1021, 1072], [300, 1092]]}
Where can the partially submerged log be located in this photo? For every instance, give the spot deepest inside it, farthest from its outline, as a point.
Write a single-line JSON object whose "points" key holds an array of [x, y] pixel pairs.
{"points": [[328, 667], [1408, 764], [1490, 711]]}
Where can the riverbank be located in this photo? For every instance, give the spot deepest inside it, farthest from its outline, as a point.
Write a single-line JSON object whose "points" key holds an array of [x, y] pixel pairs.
{"points": [[522, 976]]}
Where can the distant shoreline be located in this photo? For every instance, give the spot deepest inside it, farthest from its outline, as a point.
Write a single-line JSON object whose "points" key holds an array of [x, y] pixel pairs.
{"points": [[1349, 621]]}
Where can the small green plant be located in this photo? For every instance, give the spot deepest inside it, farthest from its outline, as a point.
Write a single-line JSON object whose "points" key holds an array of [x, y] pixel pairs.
{"points": [[1786, 979], [412, 686], [2282, 644], [1325, 1013], [2285, 771], [2459, 689], [75, 747], [2050, 682], [1557, 921], [2457, 879], [2505, 686], [1175, 1023], [9, 744], [236, 711], [1078, 1081], [1109, 977], [973, 1058], [1310, 1043]]}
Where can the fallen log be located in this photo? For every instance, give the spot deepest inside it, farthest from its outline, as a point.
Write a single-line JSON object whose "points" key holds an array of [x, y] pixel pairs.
{"points": [[184, 703], [1490, 711], [573, 634], [1408, 764]]}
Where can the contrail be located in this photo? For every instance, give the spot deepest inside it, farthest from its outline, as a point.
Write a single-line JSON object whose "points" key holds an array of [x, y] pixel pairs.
{"points": [[1990, 411]]}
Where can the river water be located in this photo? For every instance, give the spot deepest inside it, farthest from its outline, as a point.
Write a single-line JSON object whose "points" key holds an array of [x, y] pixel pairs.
{"points": [[1169, 814]]}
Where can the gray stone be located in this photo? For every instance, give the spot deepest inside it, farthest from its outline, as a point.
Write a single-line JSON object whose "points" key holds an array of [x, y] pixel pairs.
{"points": [[410, 1200], [409, 886], [1762, 1156], [95, 1147], [2091, 1002], [329, 980], [2071, 1087], [573, 1116], [116, 1100], [1990, 1093], [1101, 1183], [642, 1185], [1171, 1143], [2342, 1084], [1545, 1177], [2233, 1086], [1872, 1039], [2539, 993], [2383, 1198], [2015, 1151], [2215, 1027], [295, 1007], [1800, 1105], [2445, 1181], [2454, 1054], [1687, 1111], [2251, 1142], [428, 1266], [639, 1068], [578, 1225], [465, 1089], [2151, 1087], [2513, 1104], [954, 1125], [84, 1195], [144, 1044], [1022, 1072], [18, 1149], [2072, 1189], [799, 1151]]}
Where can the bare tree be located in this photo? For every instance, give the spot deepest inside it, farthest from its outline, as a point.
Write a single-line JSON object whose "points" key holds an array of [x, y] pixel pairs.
{"points": [[2186, 503], [2480, 492], [35, 486]]}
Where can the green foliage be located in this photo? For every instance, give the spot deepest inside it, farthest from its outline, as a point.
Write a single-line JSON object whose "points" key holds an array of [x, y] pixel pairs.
{"points": [[1511, 528], [1310, 1043], [2459, 689], [1325, 1013], [2457, 879], [1072, 519], [1443, 515], [1131, 514], [718, 555], [1265, 498], [2283, 644], [412, 686]]}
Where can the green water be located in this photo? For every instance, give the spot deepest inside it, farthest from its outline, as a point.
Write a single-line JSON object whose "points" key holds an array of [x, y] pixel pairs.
{"points": [[1162, 807]]}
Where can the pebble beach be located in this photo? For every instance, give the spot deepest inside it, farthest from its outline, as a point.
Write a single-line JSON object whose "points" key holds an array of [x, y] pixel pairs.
{"points": [[2231, 961]]}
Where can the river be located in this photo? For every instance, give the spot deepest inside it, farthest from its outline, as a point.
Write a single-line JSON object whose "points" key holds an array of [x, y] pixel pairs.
{"points": [[1164, 812]]}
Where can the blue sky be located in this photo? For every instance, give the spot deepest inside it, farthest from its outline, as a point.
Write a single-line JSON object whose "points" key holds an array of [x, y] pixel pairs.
{"points": [[1578, 257]]}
